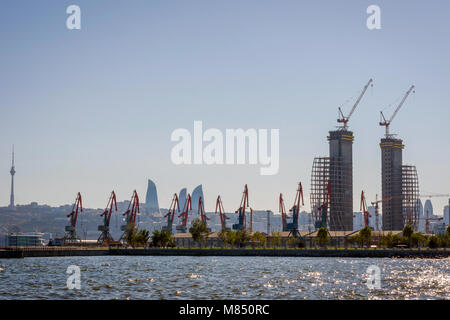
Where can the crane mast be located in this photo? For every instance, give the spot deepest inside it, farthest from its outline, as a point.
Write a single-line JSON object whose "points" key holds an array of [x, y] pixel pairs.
{"points": [[344, 119], [386, 123]]}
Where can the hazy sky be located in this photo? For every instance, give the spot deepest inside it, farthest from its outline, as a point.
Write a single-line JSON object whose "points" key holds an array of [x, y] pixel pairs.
{"points": [[92, 110]]}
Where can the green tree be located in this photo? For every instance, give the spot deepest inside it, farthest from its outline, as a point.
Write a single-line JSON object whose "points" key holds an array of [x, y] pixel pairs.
{"points": [[408, 231], [230, 237], [323, 238], [433, 242], [418, 239], [365, 235], [134, 236], [227, 236], [242, 237], [276, 239], [141, 237], [448, 231], [162, 238], [199, 231], [258, 238], [130, 234], [387, 240]]}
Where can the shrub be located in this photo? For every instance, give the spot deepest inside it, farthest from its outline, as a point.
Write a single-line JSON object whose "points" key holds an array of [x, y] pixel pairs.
{"points": [[323, 238], [162, 238], [258, 237], [433, 242]]}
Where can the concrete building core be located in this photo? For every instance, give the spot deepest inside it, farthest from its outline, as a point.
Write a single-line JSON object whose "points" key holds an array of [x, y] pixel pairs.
{"points": [[391, 183], [341, 180]]}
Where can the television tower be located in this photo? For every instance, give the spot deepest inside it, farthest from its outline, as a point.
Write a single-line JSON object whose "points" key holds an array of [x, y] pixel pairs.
{"points": [[13, 172]]}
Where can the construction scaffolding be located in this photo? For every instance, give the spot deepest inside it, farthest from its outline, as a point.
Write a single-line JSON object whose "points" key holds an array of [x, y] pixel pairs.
{"points": [[411, 194], [320, 175]]}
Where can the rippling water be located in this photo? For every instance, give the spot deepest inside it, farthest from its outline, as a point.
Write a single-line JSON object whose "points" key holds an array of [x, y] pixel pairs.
{"points": [[223, 278]]}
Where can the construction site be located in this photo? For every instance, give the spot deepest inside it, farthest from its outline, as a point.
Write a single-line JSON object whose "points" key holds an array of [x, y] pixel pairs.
{"points": [[331, 195]]}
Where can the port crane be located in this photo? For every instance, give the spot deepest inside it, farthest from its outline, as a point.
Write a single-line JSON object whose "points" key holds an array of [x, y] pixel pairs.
{"points": [[221, 211], [377, 208], [364, 209], [387, 123], [71, 233], [131, 212], [105, 236], [242, 223], [201, 211], [282, 210], [184, 215], [292, 227], [323, 209], [174, 207], [344, 119]]}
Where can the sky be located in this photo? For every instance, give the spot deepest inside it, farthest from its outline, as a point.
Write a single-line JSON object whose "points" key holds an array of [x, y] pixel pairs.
{"points": [[93, 110]]}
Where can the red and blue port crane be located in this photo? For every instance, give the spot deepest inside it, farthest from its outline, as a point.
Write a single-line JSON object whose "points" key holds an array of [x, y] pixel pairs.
{"points": [[111, 206]]}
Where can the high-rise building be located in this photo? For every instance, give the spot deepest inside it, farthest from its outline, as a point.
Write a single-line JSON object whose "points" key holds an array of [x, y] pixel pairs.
{"points": [[12, 172], [196, 194], [391, 182], [182, 197], [151, 200], [341, 180], [428, 209]]}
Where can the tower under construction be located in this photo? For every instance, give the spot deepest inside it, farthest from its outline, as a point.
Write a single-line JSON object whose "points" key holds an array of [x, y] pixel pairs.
{"points": [[332, 177], [399, 183], [341, 180], [391, 183]]}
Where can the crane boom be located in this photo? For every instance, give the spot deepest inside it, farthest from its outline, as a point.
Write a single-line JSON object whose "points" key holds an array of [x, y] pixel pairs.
{"points": [[385, 122], [345, 119]]}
